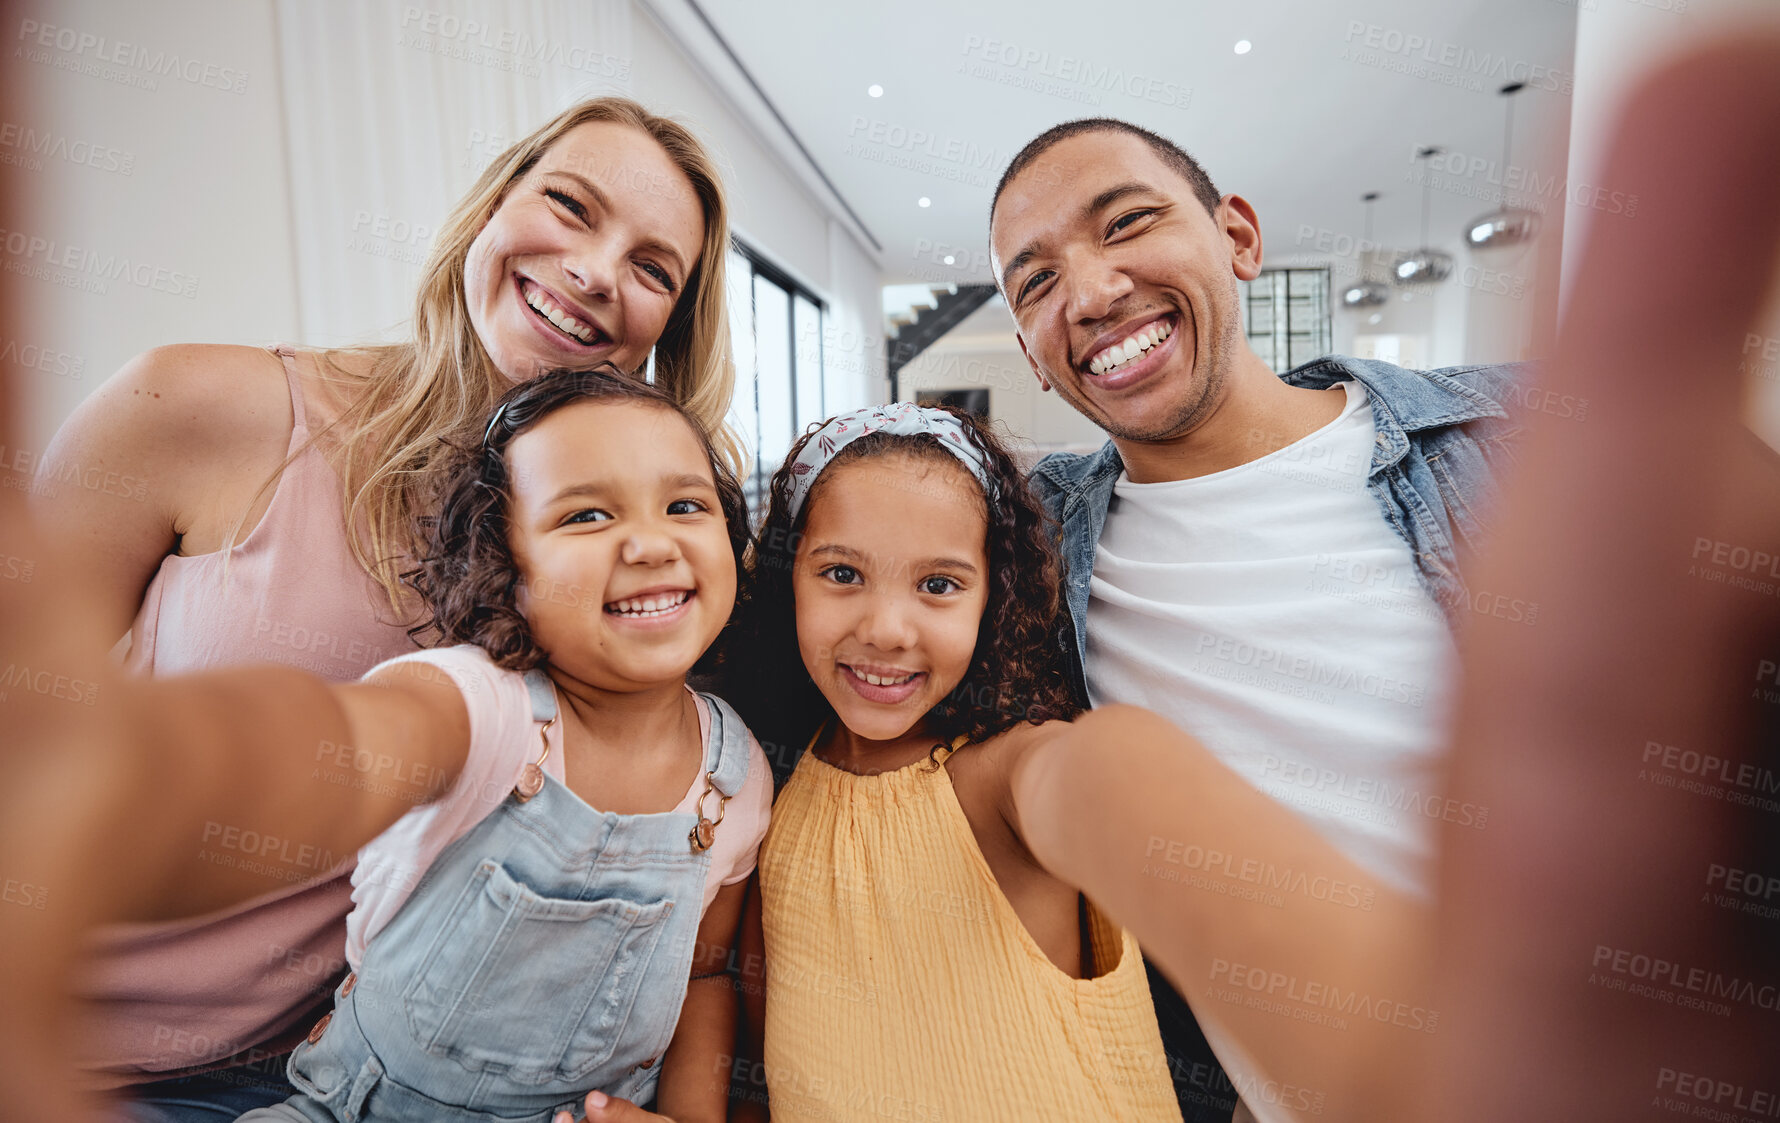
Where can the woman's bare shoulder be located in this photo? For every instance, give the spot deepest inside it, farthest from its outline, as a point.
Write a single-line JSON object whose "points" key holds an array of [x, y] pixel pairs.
{"points": [[197, 396], [217, 403]]}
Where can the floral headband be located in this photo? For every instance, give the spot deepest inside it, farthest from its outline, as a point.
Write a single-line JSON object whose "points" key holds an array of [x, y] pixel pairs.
{"points": [[904, 419]]}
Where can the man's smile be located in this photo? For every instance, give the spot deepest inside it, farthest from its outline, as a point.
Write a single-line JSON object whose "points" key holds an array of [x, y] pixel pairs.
{"points": [[1116, 348], [1129, 355]]}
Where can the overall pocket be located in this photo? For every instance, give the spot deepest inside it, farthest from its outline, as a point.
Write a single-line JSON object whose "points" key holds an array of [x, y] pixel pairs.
{"points": [[537, 988]]}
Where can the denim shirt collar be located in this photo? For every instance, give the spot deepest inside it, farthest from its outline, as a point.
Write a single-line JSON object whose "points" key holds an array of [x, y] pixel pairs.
{"points": [[1403, 402]]}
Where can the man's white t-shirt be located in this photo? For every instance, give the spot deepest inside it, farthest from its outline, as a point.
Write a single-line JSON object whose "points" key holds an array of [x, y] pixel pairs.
{"points": [[1270, 611]]}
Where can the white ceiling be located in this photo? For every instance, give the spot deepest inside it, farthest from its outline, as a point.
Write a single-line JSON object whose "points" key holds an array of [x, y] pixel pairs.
{"points": [[1296, 125]]}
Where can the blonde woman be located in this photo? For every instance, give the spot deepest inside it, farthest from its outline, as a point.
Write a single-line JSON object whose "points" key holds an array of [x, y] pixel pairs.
{"points": [[599, 238]]}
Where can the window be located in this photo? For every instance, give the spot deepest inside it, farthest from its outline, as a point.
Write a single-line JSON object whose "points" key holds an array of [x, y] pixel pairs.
{"points": [[1287, 313], [776, 331]]}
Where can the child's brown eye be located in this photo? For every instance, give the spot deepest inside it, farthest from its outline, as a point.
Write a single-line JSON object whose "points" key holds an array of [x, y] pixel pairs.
{"points": [[841, 574], [938, 586]]}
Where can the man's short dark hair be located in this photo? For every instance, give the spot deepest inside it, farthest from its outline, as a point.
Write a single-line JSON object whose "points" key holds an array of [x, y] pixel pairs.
{"points": [[1166, 150]]}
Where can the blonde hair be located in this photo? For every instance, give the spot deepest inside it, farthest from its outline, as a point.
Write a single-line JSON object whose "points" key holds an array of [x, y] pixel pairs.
{"points": [[442, 382]]}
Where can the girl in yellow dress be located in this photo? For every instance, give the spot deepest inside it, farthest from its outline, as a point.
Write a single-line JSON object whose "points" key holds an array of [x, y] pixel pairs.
{"points": [[922, 963]]}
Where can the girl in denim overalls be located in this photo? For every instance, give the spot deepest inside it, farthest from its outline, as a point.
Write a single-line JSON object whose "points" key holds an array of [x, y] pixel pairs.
{"points": [[525, 936], [559, 829]]}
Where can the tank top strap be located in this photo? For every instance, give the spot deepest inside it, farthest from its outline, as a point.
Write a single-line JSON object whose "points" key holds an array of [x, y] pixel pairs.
{"points": [[944, 752], [294, 380], [940, 753]]}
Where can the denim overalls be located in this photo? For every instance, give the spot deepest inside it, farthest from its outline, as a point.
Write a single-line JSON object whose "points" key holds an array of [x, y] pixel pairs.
{"points": [[544, 954]]}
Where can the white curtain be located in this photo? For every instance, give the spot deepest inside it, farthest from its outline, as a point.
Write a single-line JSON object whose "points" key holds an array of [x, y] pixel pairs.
{"points": [[392, 109]]}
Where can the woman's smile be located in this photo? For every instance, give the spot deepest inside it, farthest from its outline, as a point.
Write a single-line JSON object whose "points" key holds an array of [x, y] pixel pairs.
{"points": [[560, 322]]}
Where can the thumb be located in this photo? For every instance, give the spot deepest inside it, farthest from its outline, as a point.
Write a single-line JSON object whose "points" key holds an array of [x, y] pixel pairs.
{"points": [[602, 1108]]}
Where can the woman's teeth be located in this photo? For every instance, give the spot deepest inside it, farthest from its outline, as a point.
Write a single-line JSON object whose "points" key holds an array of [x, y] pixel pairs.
{"points": [[882, 680], [1119, 354], [568, 323], [649, 606]]}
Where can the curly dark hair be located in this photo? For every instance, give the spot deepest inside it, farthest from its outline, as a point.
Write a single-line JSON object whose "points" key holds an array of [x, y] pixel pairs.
{"points": [[1016, 671], [468, 579]]}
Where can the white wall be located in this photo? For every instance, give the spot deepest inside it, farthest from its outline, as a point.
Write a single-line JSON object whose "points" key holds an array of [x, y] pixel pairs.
{"points": [[150, 154], [983, 353], [1487, 311], [394, 108], [853, 331], [139, 181], [773, 211]]}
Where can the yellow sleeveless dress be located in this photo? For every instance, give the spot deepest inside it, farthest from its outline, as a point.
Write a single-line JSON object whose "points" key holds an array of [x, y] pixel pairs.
{"points": [[901, 984]]}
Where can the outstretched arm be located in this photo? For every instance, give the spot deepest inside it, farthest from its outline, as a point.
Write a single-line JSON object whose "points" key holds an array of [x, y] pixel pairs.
{"points": [[1640, 528], [241, 782], [1332, 972], [174, 797]]}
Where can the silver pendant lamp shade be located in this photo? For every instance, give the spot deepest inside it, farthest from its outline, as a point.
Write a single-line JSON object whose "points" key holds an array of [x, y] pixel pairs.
{"points": [[1505, 226], [1427, 265], [1365, 292]]}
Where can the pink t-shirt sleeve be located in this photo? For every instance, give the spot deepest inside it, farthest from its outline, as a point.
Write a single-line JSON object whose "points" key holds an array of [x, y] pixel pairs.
{"points": [[737, 845], [746, 818], [501, 731], [503, 737]]}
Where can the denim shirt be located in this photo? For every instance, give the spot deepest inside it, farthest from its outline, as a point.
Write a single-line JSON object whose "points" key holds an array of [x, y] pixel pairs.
{"points": [[1442, 437]]}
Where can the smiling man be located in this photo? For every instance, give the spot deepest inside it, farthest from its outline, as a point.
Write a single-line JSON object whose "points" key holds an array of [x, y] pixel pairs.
{"points": [[1268, 560]]}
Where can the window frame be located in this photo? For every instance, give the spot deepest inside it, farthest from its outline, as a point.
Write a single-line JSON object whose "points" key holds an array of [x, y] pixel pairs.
{"points": [[761, 268]]}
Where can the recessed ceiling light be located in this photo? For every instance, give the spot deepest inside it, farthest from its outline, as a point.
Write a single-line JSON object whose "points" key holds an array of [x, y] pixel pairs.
{"points": [[1375, 318], [1243, 46], [924, 201], [951, 260], [875, 90]]}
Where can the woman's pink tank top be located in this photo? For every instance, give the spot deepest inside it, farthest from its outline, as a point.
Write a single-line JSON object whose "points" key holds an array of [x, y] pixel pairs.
{"points": [[178, 997]]}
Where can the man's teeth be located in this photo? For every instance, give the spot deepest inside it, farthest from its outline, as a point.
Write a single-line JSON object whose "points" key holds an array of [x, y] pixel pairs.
{"points": [[1121, 353], [880, 680], [568, 323], [649, 606]]}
